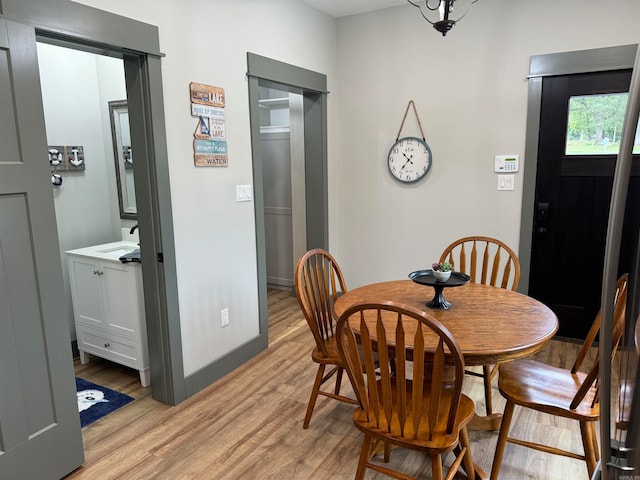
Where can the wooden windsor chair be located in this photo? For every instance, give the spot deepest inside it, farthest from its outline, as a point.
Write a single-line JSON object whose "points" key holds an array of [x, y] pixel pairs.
{"points": [[557, 391], [488, 261], [318, 283], [420, 408]]}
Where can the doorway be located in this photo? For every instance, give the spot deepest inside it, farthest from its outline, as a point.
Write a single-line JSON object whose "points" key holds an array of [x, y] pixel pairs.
{"points": [[543, 68], [580, 124], [78, 91], [282, 142], [312, 87]]}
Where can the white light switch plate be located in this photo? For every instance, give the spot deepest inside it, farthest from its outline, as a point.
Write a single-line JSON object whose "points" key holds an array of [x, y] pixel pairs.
{"points": [[243, 193], [506, 182]]}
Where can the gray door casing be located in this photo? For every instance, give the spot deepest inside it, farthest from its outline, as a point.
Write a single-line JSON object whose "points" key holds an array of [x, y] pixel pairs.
{"points": [[266, 72]]}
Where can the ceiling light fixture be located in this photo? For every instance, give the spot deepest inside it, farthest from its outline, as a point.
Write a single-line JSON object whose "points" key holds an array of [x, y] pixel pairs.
{"points": [[445, 10]]}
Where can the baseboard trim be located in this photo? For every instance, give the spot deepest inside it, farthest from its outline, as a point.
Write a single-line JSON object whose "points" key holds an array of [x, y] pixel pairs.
{"points": [[229, 362]]}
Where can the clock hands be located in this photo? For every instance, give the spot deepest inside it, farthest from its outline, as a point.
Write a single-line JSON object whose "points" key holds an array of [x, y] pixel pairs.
{"points": [[408, 161]]}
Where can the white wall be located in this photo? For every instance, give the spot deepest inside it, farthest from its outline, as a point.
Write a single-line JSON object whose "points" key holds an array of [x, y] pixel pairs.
{"points": [[76, 89], [471, 92], [470, 89], [112, 87], [207, 42]]}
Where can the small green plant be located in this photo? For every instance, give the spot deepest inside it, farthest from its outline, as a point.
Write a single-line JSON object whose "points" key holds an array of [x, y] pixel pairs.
{"points": [[441, 267]]}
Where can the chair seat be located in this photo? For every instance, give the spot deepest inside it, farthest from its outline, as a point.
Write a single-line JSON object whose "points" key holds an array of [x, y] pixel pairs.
{"points": [[442, 441], [333, 355], [546, 389]]}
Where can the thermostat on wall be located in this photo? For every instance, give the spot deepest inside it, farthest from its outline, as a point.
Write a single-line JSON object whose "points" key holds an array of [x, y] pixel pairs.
{"points": [[506, 163]]}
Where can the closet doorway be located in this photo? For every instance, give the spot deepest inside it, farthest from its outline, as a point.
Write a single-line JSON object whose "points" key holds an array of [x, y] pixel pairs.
{"points": [[282, 144], [311, 86]]}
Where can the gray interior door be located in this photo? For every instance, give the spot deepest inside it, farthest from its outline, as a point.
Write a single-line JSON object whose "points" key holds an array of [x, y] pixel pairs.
{"points": [[39, 423]]}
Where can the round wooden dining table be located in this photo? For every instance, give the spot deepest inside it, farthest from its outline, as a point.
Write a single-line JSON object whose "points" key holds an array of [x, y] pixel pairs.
{"points": [[490, 324]]}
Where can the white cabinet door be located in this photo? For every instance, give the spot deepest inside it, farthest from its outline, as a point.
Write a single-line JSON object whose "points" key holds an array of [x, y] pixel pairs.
{"points": [[121, 306], [86, 290]]}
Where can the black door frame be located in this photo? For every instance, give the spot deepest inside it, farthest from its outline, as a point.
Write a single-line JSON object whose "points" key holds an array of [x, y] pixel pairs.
{"points": [[566, 63]]}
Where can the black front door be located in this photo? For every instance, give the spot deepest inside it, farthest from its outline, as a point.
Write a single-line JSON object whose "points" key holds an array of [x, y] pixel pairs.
{"points": [[576, 163]]}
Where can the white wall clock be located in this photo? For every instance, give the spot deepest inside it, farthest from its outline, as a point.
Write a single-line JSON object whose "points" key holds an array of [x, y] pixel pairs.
{"points": [[409, 159]]}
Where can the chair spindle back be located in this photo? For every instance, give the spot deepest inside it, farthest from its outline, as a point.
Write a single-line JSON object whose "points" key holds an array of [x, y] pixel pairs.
{"points": [[486, 260], [396, 357], [619, 316], [318, 284]]}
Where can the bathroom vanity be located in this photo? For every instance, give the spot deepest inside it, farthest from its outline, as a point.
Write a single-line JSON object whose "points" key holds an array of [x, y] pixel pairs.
{"points": [[108, 306]]}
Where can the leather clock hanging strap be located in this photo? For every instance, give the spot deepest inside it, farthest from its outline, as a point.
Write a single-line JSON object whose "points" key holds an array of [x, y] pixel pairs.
{"points": [[411, 104]]}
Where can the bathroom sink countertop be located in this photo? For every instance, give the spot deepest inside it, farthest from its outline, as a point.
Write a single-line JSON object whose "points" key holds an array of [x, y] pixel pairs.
{"points": [[106, 251]]}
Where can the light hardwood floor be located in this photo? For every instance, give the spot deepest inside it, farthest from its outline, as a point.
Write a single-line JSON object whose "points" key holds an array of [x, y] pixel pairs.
{"points": [[248, 425]]}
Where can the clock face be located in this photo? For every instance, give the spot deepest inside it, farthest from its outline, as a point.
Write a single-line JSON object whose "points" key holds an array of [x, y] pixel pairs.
{"points": [[409, 159]]}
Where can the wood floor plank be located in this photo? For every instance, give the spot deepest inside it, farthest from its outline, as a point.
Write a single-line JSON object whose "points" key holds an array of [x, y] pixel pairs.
{"points": [[248, 425]]}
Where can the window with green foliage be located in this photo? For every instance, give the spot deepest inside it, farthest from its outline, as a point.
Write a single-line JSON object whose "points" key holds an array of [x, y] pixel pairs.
{"points": [[595, 125]]}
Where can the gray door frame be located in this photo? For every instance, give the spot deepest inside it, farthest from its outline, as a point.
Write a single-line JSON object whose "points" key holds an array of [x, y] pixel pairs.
{"points": [[263, 71], [565, 63], [66, 23]]}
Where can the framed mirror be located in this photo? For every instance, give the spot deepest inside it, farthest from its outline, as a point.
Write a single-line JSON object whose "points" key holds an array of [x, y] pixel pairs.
{"points": [[119, 115]]}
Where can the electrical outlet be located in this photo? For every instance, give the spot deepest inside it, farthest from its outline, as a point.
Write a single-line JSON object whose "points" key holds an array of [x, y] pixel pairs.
{"points": [[224, 317]]}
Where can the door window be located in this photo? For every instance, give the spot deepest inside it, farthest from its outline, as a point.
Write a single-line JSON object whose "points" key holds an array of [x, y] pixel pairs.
{"points": [[594, 124]]}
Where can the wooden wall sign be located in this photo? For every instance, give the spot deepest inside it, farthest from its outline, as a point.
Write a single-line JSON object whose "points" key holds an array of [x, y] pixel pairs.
{"points": [[67, 158], [209, 144], [207, 95]]}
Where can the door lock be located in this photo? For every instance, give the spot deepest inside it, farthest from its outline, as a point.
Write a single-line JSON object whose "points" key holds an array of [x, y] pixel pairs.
{"points": [[542, 218]]}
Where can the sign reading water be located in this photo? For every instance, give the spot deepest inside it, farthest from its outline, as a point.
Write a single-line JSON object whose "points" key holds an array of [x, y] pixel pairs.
{"points": [[210, 145]]}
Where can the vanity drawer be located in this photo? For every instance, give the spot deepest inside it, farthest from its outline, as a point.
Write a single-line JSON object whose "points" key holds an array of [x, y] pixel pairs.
{"points": [[117, 349]]}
